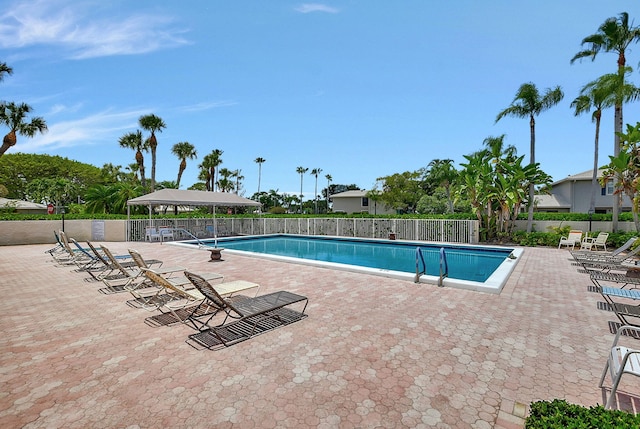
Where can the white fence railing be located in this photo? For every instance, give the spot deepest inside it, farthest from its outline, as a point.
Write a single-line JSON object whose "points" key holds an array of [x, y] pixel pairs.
{"points": [[445, 230]]}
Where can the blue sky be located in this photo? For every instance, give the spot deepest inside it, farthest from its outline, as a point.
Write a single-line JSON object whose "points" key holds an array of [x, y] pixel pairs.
{"points": [[360, 89]]}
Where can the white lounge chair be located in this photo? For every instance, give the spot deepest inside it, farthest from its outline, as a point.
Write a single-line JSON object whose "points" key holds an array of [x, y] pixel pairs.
{"points": [[574, 237], [621, 360]]}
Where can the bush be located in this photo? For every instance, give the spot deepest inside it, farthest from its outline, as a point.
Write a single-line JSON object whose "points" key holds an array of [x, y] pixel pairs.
{"points": [[559, 414]]}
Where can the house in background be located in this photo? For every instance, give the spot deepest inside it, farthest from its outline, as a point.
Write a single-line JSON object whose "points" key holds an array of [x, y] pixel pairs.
{"points": [[573, 195], [23, 207], [356, 201]]}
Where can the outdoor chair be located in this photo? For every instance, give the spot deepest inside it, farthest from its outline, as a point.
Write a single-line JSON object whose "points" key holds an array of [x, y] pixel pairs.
{"points": [[166, 233], [152, 234], [250, 316], [58, 247], [619, 301], [617, 256], [574, 237], [69, 256], [591, 243], [172, 297], [621, 360], [106, 268]]}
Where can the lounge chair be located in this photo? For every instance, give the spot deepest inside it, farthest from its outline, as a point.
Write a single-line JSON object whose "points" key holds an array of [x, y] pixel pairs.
{"points": [[574, 237], [622, 309], [58, 247], [69, 256], [591, 243], [172, 296], [250, 316], [107, 269], [621, 360], [618, 253]]}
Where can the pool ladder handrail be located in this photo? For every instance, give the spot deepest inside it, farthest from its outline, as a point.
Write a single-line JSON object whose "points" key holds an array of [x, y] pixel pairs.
{"points": [[443, 264], [200, 243], [419, 258]]}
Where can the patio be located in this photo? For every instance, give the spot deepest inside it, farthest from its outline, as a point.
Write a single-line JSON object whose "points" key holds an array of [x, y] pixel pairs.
{"points": [[373, 352]]}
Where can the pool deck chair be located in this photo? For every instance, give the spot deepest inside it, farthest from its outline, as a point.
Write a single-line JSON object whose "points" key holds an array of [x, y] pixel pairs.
{"points": [[616, 255], [574, 238], [110, 271], [249, 317], [621, 360], [178, 301], [591, 243], [620, 302]]}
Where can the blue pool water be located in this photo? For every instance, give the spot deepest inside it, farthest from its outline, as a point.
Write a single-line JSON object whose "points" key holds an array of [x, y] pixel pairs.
{"points": [[464, 262]]}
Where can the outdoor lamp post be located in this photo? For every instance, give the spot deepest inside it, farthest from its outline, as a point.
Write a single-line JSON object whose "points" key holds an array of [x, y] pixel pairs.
{"points": [[62, 212], [590, 218]]}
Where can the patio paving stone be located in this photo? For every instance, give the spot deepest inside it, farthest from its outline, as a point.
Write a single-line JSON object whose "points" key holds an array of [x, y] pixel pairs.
{"points": [[374, 352]]}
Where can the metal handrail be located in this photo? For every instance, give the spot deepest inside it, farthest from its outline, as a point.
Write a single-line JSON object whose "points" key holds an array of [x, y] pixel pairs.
{"points": [[419, 258], [443, 264], [200, 243]]}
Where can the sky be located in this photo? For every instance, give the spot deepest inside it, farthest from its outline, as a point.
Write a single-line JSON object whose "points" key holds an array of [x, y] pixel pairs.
{"points": [[360, 89]]}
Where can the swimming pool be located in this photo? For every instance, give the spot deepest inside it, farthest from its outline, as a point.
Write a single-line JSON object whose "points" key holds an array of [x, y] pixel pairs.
{"points": [[472, 267]]}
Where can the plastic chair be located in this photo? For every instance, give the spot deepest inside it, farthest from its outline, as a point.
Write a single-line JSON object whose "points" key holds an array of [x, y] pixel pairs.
{"points": [[622, 360]]}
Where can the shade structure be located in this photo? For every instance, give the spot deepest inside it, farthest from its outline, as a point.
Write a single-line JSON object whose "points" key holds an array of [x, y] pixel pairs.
{"points": [[179, 197]]}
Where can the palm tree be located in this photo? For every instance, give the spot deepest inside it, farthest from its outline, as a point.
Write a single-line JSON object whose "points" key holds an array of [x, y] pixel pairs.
{"points": [[329, 179], [444, 174], [183, 150], [614, 35], [301, 171], [315, 173], [133, 140], [239, 177], [4, 70], [259, 161], [598, 95], [216, 160], [13, 116], [528, 102], [153, 124]]}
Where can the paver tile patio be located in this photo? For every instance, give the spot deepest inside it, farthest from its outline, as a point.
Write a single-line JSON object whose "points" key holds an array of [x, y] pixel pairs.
{"points": [[374, 351]]}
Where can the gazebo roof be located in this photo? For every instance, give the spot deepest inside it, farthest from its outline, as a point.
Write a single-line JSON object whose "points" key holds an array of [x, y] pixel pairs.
{"points": [[191, 198]]}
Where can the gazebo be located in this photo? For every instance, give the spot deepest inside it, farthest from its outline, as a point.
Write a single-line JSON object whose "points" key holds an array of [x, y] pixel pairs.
{"points": [[178, 197]]}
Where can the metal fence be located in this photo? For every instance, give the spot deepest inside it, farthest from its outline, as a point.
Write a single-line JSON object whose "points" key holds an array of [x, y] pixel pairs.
{"points": [[445, 230]]}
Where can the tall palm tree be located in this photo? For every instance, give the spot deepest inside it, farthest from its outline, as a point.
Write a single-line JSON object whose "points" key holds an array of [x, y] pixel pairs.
{"points": [[315, 173], [133, 140], [614, 35], [596, 95], [154, 124], [13, 116], [216, 160], [239, 177], [329, 179], [4, 70], [259, 161], [529, 103], [301, 171], [184, 151]]}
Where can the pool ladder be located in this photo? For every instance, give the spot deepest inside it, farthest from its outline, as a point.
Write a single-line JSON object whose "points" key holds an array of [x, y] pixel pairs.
{"points": [[201, 245], [444, 267]]}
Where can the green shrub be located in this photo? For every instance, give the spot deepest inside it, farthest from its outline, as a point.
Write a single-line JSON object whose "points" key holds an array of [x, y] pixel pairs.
{"points": [[559, 414]]}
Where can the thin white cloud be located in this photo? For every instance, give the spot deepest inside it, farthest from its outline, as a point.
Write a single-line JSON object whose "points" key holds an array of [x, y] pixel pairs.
{"points": [[316, 7], [66, 24], [198, 107], [103, 127]]}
